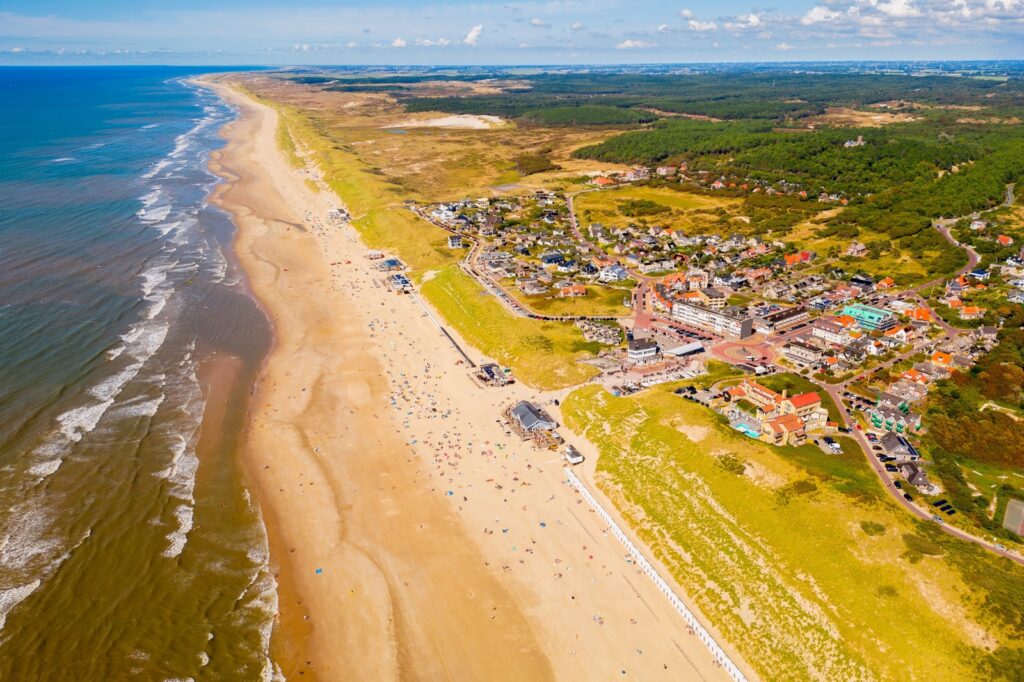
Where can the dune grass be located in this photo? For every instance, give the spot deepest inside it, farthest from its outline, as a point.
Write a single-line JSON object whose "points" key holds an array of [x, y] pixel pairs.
{"points": [[796, 556], [541, 354]]}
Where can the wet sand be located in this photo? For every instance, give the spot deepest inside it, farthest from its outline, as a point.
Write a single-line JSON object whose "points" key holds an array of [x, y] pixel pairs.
{"points": [[412, 537]]}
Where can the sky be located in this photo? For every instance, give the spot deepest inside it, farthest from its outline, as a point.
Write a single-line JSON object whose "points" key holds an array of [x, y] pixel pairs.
{"points": [[276, 32]]}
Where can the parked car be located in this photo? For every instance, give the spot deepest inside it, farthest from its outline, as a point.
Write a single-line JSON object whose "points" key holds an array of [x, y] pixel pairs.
{"points": [[573, 456], [891, 468]]}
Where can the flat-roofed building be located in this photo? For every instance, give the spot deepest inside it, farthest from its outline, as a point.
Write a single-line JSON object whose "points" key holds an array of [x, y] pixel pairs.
{"points": [[726, 322], [869, 317], [782, 319], [642, 350], [802, 353]]}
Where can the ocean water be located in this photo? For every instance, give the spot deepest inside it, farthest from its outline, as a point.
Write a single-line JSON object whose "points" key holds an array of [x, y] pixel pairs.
{"points": [[128, 550]]}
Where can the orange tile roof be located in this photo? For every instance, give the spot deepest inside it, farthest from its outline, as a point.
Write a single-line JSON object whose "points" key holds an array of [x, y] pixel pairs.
{"points": [[940, 358], [805, 399]]}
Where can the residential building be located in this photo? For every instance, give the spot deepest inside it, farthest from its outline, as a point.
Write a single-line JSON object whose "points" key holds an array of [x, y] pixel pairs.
{"points": [[726, 322], [870, 317], [782, 319], [894, 420], [829, 332], [802, 353], [899, 447]]}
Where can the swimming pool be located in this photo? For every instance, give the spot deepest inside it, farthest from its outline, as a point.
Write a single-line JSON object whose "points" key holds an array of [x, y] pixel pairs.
{"points": [[747, 430]]}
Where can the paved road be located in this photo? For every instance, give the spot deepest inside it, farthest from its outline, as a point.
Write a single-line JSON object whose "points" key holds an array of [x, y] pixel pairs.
{"points": [[835, 391]]}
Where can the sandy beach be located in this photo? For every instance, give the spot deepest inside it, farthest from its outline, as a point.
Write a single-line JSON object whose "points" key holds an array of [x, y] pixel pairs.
{"points": [[412, 537]]}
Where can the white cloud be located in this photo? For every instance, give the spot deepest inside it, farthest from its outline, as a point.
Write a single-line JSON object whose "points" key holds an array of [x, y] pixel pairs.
{"points": [[819, 14], [899, 8], [576, 26], [398, 42], [702, 26], [352, 44], [686, 13], [744, 22], [665, 28], [473, 35], [785, 47], [539, 23], [634, 45]]}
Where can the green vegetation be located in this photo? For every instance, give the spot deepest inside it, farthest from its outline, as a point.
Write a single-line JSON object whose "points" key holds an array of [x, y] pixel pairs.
{"points": [[528, 164], [587, 115], [541, 354], [798, 566], [641, 207], [975, 432]]}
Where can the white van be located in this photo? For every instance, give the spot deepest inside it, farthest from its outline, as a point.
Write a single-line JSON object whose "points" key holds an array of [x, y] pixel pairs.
{"points": [[572, 455]]}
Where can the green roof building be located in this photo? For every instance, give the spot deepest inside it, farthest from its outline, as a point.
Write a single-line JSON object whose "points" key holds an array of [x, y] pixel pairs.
{"points": [[870, 317]]}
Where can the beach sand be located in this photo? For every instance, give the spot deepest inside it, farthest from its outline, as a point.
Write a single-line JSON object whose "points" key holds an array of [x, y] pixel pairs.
{"points": [[411, 536]]}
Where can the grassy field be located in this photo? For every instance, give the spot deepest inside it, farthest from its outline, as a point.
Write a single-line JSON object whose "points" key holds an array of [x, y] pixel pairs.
{"points": [[694, 213], [798, 557], [600, 301], [541, 354]]}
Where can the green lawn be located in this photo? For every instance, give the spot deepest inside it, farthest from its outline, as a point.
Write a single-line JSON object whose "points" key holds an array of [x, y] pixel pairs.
{"points": [[798, 557]]}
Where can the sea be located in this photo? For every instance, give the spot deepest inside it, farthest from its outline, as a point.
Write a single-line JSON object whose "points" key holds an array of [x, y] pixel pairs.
{"points": [[130, 547]]}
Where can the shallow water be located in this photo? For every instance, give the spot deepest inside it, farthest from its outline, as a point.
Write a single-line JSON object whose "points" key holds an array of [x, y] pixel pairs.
{"points": [[122, 551]]}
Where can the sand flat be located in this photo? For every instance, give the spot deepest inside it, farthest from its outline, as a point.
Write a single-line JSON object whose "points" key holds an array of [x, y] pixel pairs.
{"points": [[466, 121], [446, 549]]}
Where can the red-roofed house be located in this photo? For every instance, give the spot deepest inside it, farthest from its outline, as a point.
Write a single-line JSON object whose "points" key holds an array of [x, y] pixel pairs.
{"points": [[1004, 240], [786, 429]]}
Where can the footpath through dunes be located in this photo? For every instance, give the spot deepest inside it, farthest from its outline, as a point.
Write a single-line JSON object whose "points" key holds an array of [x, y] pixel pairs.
{"points": [[374, 570], [420, 539]]}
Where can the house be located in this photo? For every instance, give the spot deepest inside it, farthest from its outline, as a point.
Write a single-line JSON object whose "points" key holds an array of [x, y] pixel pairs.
{"points": [[612, 273], [980, 274], [530, 418], [1004, 240], [941, 359], [642, 350], [601, 181], [971, 312], [920, 314], [899, 447], [978, 224], [572, 291], [915, 475], [455, 241], [856, 250], [886, 283]]}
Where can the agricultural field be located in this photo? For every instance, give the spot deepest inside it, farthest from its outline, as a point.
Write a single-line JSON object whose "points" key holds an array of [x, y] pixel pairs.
{"points": [[797, 557]]}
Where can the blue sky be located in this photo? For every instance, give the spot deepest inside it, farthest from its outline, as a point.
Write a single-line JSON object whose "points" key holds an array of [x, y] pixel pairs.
{"points": [[538, 32]]}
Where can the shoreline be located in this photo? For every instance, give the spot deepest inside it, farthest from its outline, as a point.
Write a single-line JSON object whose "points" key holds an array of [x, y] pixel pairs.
{"points": [[378, 491]]}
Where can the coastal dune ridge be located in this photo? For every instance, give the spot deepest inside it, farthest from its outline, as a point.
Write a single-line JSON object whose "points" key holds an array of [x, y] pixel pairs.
{"points": [[411, 536]]}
